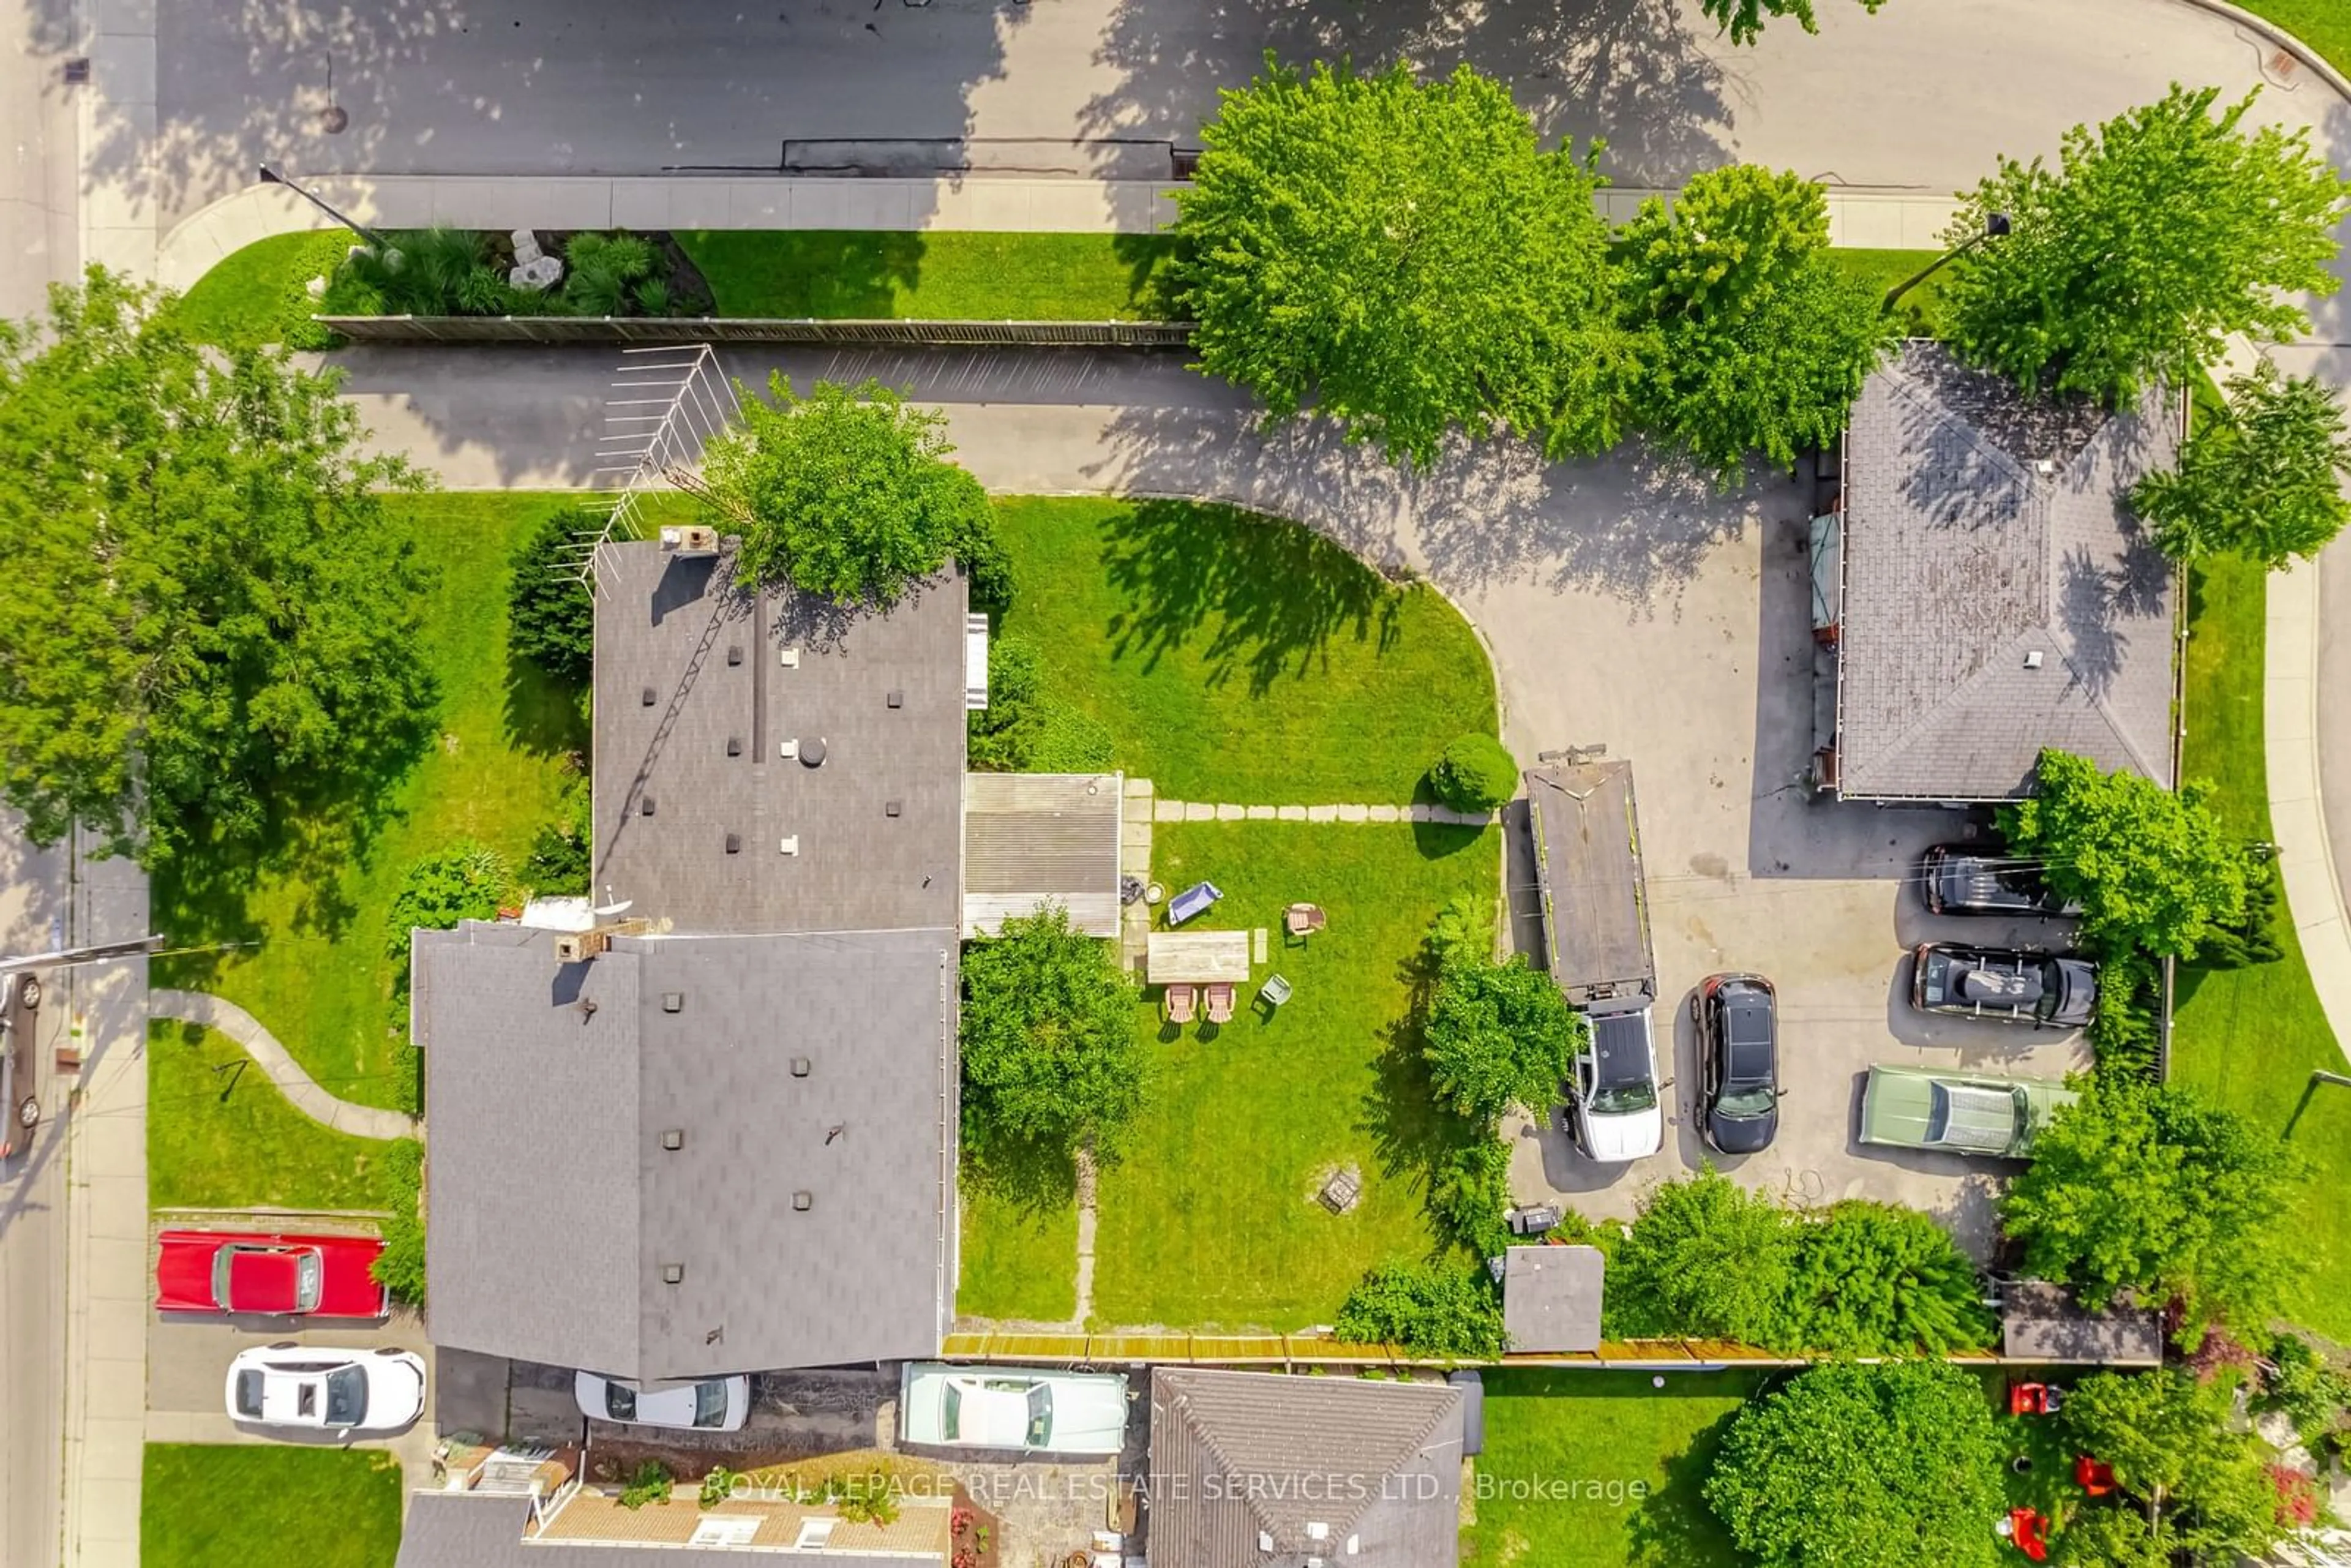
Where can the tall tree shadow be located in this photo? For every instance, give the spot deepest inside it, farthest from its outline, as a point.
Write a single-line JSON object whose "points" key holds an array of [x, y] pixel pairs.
{"points": [[1673, 1527], [1267, 597]]}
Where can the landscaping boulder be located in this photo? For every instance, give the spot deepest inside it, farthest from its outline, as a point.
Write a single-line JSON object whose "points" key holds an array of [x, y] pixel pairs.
{"points": [[536, 277], [526, 247]]}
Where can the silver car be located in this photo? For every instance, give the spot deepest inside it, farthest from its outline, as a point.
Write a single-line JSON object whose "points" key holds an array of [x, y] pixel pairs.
{"points": [[1011, 1407], [715, 1405]]}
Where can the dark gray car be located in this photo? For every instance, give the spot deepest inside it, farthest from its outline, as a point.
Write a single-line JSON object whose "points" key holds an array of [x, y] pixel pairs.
{"points": [[1737, 1020], [2042, 991], [20, 993]]}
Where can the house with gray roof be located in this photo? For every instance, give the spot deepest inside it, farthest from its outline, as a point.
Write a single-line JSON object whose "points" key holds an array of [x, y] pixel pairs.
{"points": [[1257, 1469], [714, 1130], [1985, 591]]}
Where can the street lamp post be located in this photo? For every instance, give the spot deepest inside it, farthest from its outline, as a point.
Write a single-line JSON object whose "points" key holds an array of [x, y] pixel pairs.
{"points": [[1995, 227], [270, 176]]}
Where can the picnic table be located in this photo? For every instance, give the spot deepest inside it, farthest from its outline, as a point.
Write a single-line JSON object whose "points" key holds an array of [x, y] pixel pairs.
{"points": [[1197, 958]]}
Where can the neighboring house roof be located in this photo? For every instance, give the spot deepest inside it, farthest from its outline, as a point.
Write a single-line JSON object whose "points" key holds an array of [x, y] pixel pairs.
{"points": [[2041, 1321], [1982, 529], [1032, 839], [1235, 1455], [465, 1530], [1551, 1298], [555, 1207], [688, 666]]}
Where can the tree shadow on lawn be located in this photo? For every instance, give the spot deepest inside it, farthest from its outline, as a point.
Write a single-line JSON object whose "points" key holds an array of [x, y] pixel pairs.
{"points": [[1413, 1136], [1278, 593], [544, 717], [1673, 1527], [1030, 1177], [811, 272]]}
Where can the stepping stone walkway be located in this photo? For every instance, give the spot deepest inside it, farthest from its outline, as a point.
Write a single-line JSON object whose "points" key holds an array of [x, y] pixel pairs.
{"points": [[220, 1013], [1197, 811]]}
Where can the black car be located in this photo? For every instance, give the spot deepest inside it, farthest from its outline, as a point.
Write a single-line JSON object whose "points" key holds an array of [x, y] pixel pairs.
{"points": [[1958, 879], [1738, 1059], [2045, 990]]}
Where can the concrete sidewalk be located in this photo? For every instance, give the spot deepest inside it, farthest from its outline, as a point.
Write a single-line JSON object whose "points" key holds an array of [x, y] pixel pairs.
{"points": [[221, 1014]]}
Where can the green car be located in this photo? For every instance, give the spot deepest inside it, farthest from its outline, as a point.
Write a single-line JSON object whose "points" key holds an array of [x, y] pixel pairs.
{"points": [[1912, 1108]]}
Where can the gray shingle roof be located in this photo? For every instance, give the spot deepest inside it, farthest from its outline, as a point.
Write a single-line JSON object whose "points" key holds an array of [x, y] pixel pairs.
{"points": [[1551, 1298], [469, 1529], [1980, 528], [883, 692], [1038, 838], [1237, 1453], [554, 1206]]}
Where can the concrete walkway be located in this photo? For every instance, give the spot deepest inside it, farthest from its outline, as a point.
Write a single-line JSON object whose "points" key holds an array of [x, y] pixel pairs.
{"points": [[1196, 812], [219, 1013]]}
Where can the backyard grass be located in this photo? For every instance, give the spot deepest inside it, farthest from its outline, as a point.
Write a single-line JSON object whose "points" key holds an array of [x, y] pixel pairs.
{"points": [[1019, 1254], [1210, 1219], [1886, 269], [256, 295], [1238, 658], [2251, 1037], [942, 277], [236, 1505], [309, 956], [2323, 24], [1599, 1469], [221, 1136]]}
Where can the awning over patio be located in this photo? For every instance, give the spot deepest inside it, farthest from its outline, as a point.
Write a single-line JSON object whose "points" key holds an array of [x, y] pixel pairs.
{"points": [[1198, 956]]}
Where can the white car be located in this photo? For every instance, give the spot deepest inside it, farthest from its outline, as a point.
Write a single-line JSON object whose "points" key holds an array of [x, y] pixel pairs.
{"points": [[718, 1405], [1614, 1115], [321, 1388], [1012, 1407]]}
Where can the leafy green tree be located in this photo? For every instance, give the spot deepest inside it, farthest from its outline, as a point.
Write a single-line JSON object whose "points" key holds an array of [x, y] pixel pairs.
{"points": [[1428, 1308], [1049, 1052], [2116, 1535], [400, 1183], [1498, 1035], [1755, 341], [1743, 19], [2153, 1191], [2260, 479], [1476, 773], [846, 493], [466, 881], [1706, 1258], [1876, 1279], [1469, 1195], [2173, 1450], [1403, 256], [2158, 234], [551, 612], [2150, 868], [209, 621], [1855, 1466], [2309, 1389], [1026, 726]]}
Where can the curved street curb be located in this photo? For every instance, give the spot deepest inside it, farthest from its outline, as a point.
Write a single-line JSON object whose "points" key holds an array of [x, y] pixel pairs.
{"points": [[2318, 63], [220, 1013]]}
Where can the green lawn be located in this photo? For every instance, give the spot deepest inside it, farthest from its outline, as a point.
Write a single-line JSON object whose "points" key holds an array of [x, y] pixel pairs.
{"points": [[220, 1136], [311, 963], [1887, 269], [236, 1505], [1211, 1219], [1599, 1469], [2251, 1036], [1020, 1252], [256, 295], [941, 275], [2323, 24], [1241, 659]]}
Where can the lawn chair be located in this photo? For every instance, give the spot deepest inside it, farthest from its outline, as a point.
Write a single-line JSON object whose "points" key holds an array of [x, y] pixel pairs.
{"points": [[1274, 992], [1220, 1001], [1181, 1000], [1193, 901], [1302, 920]]}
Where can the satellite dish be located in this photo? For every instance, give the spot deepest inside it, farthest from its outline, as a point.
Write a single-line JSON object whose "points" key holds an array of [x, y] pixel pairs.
{"points": [[606, 910]]}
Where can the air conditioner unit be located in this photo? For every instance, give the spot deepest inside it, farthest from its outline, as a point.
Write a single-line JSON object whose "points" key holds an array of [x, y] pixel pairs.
{"points": [[690, 540]]}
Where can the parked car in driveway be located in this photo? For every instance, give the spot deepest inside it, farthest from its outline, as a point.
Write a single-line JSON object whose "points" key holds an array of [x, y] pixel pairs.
{"points": [[1916, 1108], [714, 1405], [1011, 1407], [2040, 991], [1612, 1110], [323, 1388], [1957, 879], [20, 993], [234, 1271], [1737, 1020]]}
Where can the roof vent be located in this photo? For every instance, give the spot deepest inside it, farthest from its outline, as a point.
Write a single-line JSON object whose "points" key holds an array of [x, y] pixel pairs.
{"points": [[650, 698], [673, 1001], [734, 843], [2044, 466], [734, 746], [673, 1273], [803, 1201], [1265, 1542], [893, 808], [673, 1138], [812, 753], [800, 1065], [645, 806], [734, 653], [1354, 1545], [1317, 1531], [787, 749], [789, 846], [896, 699], [2032, 659], [789, 658]]}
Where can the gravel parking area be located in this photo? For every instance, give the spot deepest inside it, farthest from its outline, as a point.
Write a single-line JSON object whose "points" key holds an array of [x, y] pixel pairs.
{"points": [[1699, 669]]}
